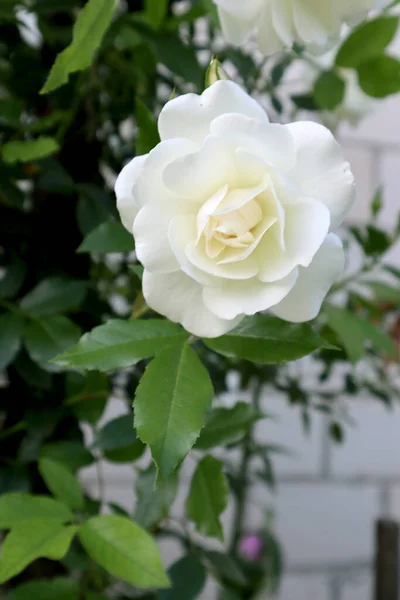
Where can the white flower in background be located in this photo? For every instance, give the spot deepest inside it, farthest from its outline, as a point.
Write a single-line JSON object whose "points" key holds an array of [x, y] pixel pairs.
{"points": [[302, 75], [233, 215], [278, 24]]}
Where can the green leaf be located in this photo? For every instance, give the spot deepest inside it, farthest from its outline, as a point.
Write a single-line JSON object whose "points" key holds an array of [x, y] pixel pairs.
{"points": [[48, 336], [188, 577], [59, 588], [36, 539], [208, 497], [266, 339], [13, 278], [110, 236], [156, 11], [54, 295], [329, 90], [90, 27], [72, 455], [367, 41], [11, 328], [226, 426], [118, 441], [30, 150], [148, 136], [179, 58], [62, 484], [119, 344], [380, 76], [384, 292], [89, 395], [170, 405], [19, 507], [154, 503], [354, 333], [225, 567], [377, 203], [125, 550]]}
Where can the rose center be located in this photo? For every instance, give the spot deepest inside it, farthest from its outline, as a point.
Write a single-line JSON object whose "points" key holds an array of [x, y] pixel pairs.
{"points": [[233, 228]]}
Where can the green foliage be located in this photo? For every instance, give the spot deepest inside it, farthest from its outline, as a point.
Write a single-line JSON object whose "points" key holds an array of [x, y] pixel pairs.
{"points": [[170, 405], [125, 550], [59, 588], [62, 484], [155, 11], [47, 336], [53, 296], [154, 501], [37, 538], [148, 136], [380, 76], [367, 41], [329, 90], [266, 339], [27, 151], [11, 327], [355, 331], [117, 440], [227, 426], [188, 577], [208, 497], [18, 509], [89, 29], [119, 344], [110, 236]]}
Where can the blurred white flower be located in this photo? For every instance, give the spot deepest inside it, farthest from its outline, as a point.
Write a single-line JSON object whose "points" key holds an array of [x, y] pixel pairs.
{"points": [[233, 215], [314, 24]]}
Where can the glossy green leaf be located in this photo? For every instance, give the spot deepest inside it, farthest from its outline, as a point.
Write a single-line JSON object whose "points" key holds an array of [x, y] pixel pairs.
{"points": [[36, 539], [188, 577], [48, 336], [54, 295], [179, 57], [156, 11], [355, 332], [329, 90], [13, 278], [30, 150], [148, 136], [154, 502], [383, 292], [62, 483], [72, 455], [380, 76], [266, 339], [227, 426], [90, 27], [125, 550], [208, 497], [170, 406], [366, 41], [88, 395], [11, 331], [119, 344], [118, 441], [19, 507], [59, 588], [225, 567], [110, 236]]}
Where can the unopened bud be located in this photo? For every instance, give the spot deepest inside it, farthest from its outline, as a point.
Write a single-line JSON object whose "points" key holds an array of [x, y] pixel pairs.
{"points": [[215, 72]]}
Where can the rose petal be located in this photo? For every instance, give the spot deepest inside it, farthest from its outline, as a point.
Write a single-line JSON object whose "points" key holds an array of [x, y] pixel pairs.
{"points": [[196, 253], [304, 302], [179, 298], [200, 174], [321, 170], [306, 227], [190, 116], [249, 297], [127, 203], [151, 240], [236, 30], [271, 142]]}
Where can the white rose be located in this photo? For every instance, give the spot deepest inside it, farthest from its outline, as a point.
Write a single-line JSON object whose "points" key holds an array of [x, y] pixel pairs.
{"points": [[315, 24], [233, 215]]}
